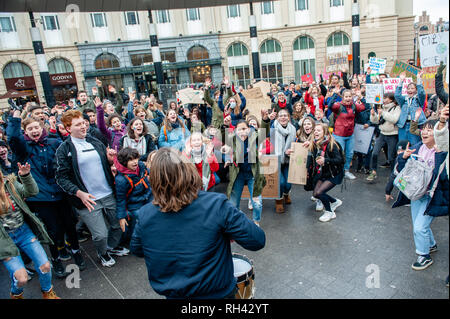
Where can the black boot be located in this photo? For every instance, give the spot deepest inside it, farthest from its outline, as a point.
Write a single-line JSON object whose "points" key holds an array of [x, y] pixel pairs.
{"points": [[59, 269]]}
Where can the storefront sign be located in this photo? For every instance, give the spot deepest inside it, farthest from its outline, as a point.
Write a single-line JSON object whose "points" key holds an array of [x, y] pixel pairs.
{"points": [[23, 83], [63, 79]]}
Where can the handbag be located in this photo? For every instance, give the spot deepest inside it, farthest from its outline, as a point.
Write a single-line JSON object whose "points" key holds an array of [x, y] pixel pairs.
{"points": [[414, 178]]}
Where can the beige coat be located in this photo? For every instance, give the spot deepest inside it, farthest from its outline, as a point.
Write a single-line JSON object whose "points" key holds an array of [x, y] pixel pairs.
{"points": [[391, 115]]}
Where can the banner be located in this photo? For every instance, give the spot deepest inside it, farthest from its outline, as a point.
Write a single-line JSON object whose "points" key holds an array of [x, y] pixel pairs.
{"points": [[374, 93], [270, 168], [363, 138], [377, 65], [190, 96], [390, 85], [399, 67], [297, 165], [307, 78], [433, 49]]}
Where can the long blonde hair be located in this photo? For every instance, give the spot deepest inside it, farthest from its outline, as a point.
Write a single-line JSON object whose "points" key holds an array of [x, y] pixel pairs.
{"points": [[314, 145], [5, 202]]}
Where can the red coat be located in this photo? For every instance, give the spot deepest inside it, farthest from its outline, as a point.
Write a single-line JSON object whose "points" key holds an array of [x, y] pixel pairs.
{"points": [[213, 165], [344, 123], [310, 101]]}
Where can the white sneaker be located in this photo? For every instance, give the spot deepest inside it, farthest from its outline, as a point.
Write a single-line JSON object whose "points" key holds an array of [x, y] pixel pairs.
{"points": [[327, 216], [319, 206], [335, 205], [349, 175], [313, 199], [107, 260], [250, 206]]}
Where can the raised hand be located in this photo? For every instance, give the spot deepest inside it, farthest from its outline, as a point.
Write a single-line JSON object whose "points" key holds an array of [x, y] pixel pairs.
{"points": [[402, 76], [98, 82], [408, 152], [97, 101], [24, 169]]}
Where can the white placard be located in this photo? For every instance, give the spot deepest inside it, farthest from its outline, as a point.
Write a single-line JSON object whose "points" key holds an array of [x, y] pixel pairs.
{"points": [[377, 65], [374, 93], [362, 138], [390, 85], [433, 49]]}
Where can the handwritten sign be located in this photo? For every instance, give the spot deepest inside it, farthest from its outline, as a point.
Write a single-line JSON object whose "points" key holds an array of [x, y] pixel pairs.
{"points": [[264, 86], [255, 106], [377, 65], [390, 85], [270, 168], [335, 64], [363, 138], [297, 165], [399, 67], [374, 93], [190, 96], [254, 93], [433, 49]]}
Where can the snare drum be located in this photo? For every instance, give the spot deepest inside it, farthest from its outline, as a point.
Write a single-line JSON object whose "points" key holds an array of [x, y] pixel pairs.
{"points": [[245, 275]]}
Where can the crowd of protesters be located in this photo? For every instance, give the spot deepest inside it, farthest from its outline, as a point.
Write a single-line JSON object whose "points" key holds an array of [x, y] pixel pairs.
{"points": [[84, 168]]}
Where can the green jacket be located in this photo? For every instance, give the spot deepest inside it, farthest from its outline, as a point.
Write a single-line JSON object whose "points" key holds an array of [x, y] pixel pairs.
{"points": [[253, 143], [119, 101], [217, 116], [89, 105], [27, 188]]}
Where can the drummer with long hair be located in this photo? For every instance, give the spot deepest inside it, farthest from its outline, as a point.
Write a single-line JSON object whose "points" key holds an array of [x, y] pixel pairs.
{"points": [[184, 233]]}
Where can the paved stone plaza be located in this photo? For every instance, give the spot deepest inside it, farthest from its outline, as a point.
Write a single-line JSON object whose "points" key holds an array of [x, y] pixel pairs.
{"points": [[303, 257]]}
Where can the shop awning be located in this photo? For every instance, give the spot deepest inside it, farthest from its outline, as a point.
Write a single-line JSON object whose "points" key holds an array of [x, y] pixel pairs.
{"points": [[109, 5], [12, 94]]}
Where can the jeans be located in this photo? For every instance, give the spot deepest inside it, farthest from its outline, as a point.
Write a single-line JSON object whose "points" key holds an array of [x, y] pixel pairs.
{"points": [[23, 238], [391, 142], [347, 146], [241, 180], [59, 220], [404, 134], [104, 213], [285, 187], [423, 236]]}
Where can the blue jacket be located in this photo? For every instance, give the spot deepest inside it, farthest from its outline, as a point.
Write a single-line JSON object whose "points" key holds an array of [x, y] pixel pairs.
{"points": [[438, 205], [41, 156], [234, 118], [188, 253], [175, 138], [417, 102], [139, 196]]}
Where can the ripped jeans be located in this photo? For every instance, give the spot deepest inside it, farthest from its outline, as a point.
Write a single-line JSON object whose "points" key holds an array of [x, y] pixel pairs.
{"points": [[246, 178], [24, 238]]}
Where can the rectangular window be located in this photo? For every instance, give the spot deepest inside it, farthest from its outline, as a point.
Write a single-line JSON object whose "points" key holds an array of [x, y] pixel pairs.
{"points": [[240, 75], [162, 16], [193, 14], [233, 11], [336, 3], [131, 18], [303, 67], [272, 72], [267, 7], [7, 24], [301, 5], [98, 20], [51, 23]]}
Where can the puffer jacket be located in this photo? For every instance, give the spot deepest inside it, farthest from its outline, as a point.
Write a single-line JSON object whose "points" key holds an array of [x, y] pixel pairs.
{"points": [[344, 124], [391, 114], [40, 155], [27, 187], [141, 193]]}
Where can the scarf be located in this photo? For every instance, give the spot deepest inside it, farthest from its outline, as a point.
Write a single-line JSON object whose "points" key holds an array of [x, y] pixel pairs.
{"points": [[282, 104], [200, 157], [284, 136], [322, 146], [140, 145], [316, 102]]}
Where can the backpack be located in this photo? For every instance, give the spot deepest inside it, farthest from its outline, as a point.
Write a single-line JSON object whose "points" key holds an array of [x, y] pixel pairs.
{"points": [[333, 116], [414, 178], [142, 180]]}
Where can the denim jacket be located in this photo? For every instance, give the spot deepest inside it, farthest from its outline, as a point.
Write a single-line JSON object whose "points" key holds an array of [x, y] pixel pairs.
{"points": [[410, 110]]}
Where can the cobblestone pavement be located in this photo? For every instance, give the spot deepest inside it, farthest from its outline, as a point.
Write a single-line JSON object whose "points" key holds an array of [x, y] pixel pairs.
{"points": [[303, 257]]}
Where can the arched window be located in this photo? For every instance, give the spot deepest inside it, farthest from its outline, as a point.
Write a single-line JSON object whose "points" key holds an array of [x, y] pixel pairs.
{"points": [[424, 28], [60, 65], [239, 64], [197, 53], [271, 61], [304, 57], [338, 43], [106, 61], [16, 70]]}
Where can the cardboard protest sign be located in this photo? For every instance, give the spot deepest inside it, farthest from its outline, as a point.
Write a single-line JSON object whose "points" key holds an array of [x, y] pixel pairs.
{"points": [[307, 78], [270, 168], [399, 67], [363, 138], [253, 94], [390, 85], [264, 86], [190, 96], [335, 64], [297, 165], [377, 65], [433, 49], [428, 79], [255, 106], [374, 93]]}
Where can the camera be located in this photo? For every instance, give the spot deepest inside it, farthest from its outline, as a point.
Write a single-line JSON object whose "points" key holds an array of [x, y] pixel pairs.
{"points": [[13, 105]]}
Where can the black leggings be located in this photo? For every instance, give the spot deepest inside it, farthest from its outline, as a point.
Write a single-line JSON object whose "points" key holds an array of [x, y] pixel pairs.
{"points": [[320, 192], [59, 220]]}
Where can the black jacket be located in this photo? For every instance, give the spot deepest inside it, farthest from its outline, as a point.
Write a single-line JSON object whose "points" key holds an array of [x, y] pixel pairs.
{"points": [[334, 164], [68, 175]]}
